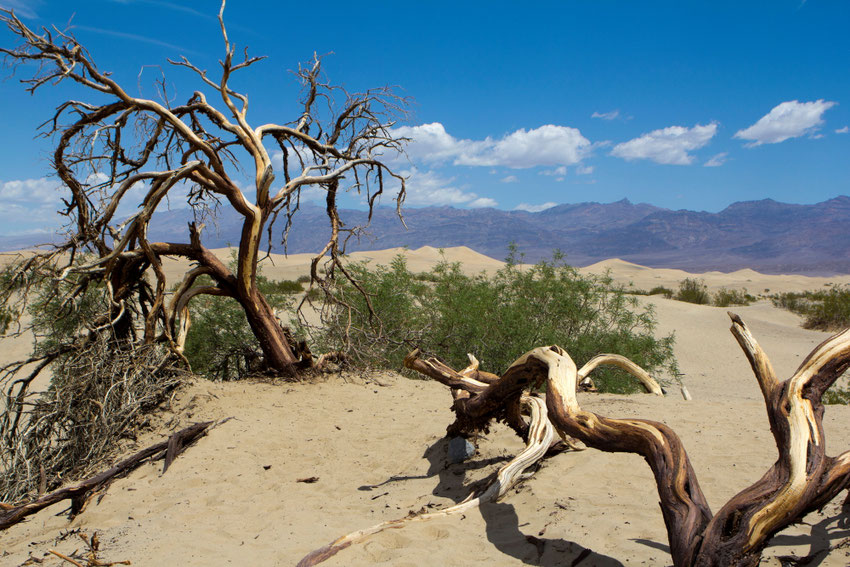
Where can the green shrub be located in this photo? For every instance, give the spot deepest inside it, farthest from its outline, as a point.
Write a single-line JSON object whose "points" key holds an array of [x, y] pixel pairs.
{"points": [[661, 290], [725, 297], [303, 279], [693, 290], [497, 318], [282, 286], [836, 396], [826, 310], [830, 311], [220, 343]]}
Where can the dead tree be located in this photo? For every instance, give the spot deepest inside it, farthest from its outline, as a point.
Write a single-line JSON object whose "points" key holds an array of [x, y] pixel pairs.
{"points": [[802, 479], [109, 148]]}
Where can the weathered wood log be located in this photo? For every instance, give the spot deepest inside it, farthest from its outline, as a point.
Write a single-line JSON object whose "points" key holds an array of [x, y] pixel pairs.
{"points": [[168, 450], [480, 397], [803, 478]]}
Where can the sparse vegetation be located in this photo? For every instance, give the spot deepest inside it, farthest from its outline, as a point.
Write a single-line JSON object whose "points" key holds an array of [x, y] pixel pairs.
{"points": [[725, 297], [220, 343], [661, 290], [497, 317], [826, 310], [693, 290]]}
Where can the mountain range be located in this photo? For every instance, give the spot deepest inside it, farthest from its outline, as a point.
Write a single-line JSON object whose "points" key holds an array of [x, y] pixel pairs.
{"points": [[767, 236]]}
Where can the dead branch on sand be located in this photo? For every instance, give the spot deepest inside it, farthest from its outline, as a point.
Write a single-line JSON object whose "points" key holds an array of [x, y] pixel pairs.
{"points": [[538, 433], [802, 479], [80, 494]]}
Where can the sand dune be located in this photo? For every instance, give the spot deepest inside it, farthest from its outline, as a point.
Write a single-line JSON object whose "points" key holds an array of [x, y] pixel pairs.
{"points": [[235, 499]]}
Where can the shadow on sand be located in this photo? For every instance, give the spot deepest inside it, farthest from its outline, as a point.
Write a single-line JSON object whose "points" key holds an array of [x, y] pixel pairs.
{"points": [[503, 525]]}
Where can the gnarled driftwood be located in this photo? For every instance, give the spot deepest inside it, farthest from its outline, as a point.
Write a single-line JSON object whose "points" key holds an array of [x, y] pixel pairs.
{"points": [[802, 479]]}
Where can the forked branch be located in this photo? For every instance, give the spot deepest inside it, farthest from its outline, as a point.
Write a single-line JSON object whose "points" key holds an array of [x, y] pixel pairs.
{"points": [[802, 480]]}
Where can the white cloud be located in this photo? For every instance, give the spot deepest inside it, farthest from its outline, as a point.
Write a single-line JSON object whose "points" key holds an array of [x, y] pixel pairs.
{"points": [[481, 203], [790, 119], [668, 145], [606, 115], [534, 208], [717, 160], [29, 203], [844, 130], [509, 179], [431, 143], [557, 172], [425, 188], [584, 169], [313, 193], [548, 145]]}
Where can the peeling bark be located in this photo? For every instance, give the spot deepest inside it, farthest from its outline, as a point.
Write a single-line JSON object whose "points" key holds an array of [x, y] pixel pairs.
{"points": [[802, 480]]}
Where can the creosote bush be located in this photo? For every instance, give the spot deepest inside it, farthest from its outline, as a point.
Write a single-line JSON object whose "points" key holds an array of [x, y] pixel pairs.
{"points": [[495, 317], [693, 290], [661, 290], [725, 297], [220, 344], [826, 310]]}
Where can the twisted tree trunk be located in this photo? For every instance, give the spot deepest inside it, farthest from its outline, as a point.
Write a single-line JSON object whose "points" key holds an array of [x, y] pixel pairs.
{"points": [[802, 480]]}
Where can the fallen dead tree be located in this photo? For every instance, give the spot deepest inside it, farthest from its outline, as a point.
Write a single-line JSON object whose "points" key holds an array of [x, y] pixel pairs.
{"points": [[80, 493], [477, 394], [803, 478]]}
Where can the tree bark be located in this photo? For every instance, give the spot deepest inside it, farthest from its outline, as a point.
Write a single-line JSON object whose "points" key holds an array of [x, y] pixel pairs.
{"points": [[277, 351], [802, 480]]}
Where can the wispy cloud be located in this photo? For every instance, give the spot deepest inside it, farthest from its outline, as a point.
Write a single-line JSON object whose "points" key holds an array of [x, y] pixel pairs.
{"points": [[509, 179], [136, 37], [23, 8], [844, 130], [668, 145], [25, 203], [211, 14], [425, 188], [606, 115], [790, 119], [557, 172], [717, 160]]}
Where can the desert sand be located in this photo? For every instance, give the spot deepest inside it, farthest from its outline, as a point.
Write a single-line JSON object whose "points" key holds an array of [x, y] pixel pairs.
{"points": [[235, 497]]}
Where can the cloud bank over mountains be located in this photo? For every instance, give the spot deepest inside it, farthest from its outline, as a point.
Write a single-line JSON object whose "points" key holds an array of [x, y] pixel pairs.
{"points": [[437, 162]]}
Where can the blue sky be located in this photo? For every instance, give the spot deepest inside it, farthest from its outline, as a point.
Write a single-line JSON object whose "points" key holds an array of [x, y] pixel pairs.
{"points": [[680, 104]]}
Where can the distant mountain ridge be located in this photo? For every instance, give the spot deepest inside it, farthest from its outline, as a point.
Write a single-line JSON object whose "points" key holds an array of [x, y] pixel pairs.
{"points": [[767, 236]]}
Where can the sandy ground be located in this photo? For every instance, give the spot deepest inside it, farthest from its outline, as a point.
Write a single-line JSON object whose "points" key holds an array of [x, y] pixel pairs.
{"points": [[234, 498]]}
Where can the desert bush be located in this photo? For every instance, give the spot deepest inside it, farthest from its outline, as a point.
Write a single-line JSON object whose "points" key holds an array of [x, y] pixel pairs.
{"points": [[830, 310], [826, 310], [497, 318], [282, 286], [725, 297], [220, 344], [661, 290], [302, 279], [837, 396], [693, 290]]}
